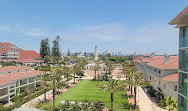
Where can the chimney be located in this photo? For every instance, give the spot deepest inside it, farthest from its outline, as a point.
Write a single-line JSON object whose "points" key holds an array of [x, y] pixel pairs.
{"points": [[166, 58], [153, 54]]}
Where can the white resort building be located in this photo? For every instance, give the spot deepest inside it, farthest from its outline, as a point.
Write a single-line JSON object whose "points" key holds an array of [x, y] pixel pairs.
{"points": [[161, 71], [11, 53], [14, 78]]}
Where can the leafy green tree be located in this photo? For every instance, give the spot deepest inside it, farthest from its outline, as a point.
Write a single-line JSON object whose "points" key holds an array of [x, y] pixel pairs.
{"points": [[112, 86], [56, 47], [44, 48], [68, 53]]}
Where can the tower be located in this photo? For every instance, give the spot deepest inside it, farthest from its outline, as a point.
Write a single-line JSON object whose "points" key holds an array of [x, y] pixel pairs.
{"points": [[96, 53]]}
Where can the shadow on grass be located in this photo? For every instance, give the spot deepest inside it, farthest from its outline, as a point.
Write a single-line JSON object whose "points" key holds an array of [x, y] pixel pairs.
{"points": [[125, 105], [124, 95]]}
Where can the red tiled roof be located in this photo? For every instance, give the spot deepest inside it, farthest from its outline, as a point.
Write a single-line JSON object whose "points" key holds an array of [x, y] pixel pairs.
{"points": [[12, 68], [28, 54], [4, 47], [10, 77], [27, 60], [158, 61], [180, 14], [138, 58], [171, 77]]}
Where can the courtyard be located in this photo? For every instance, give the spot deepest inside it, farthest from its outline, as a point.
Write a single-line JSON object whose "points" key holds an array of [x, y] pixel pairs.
{"points": [[88, 90]]}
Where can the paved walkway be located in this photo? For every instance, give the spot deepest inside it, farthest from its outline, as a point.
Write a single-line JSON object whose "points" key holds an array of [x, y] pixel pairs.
{"points": [[144, 102]]}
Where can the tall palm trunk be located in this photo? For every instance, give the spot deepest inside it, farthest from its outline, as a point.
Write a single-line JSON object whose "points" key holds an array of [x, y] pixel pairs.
{"points": [[112, 100], [45, 95], [67, 80], [131, 90], [95, 75], [98, 72], [134, 97], [129, 85], [53, 99], [74, 78]]}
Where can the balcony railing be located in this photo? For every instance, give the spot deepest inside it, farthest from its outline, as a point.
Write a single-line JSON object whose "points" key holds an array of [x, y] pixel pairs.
{"points": [[180, 108], [183, 42], [182, 90]]}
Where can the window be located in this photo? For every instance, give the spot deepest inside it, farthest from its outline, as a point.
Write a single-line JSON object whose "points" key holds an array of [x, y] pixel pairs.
{"points": [[175, 88]]}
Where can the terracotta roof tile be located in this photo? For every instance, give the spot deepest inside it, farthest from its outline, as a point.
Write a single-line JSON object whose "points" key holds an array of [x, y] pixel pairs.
{"points": [[10, 77], [12, 68], [28, 54], [158, 61], [4, 47], [171, 77]]}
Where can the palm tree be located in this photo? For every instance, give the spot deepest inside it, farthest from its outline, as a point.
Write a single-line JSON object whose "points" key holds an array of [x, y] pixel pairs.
{"points": [[129, 72], [169, 103], [95, 68], [43, 79], [67, 72], [112, 86], [109, 67], [54, 82], [136, 81]]}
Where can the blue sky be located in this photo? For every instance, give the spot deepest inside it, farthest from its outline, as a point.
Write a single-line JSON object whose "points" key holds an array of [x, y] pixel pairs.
{"points": [[128, 26]]}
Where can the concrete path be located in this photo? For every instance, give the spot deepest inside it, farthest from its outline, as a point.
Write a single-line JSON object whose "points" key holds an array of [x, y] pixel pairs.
{"points": [[145, 103]]}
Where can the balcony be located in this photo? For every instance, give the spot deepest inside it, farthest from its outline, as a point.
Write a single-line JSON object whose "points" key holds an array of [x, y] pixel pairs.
{"points": [[182, 90], [183, 42], [180, 108]]}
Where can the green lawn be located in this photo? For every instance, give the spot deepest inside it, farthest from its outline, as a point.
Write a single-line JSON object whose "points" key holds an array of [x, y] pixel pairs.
{"points": [[87, 89]]}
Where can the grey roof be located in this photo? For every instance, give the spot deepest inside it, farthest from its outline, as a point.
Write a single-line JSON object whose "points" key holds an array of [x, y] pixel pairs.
{"points": [[26, 109]]}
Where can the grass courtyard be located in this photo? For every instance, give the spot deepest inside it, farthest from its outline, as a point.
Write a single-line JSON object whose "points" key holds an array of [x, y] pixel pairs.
{"points": [[88, 90]]}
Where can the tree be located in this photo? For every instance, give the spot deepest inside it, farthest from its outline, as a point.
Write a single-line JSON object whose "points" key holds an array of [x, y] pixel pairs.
{"points": [[56, 47], [67, 72], [47, 59], [112, 86], [129, 70], [169, 103], [109, 67], [95, 68], [68, 53], [80, 66], [43, 79], [54, 82], [44, 48], [136, 81]]}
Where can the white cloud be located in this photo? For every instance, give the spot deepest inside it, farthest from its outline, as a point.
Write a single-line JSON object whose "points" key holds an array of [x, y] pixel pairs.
{"points": [[29, 31], [154, 32]]}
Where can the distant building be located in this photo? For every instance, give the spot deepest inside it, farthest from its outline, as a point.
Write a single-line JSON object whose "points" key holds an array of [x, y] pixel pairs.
{"points": [[181, 22], [11, 53], [8, 52], [161, 71], [81, 55], [14, 78]]}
